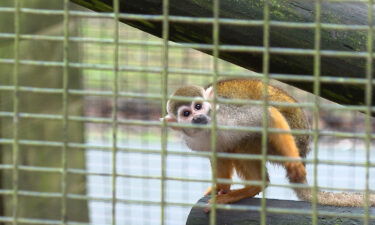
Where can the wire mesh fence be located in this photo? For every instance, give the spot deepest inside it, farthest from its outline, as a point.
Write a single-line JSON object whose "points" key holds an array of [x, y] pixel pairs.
{"points": [[81, 96]]}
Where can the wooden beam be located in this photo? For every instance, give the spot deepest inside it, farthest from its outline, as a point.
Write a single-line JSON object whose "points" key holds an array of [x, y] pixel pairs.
{"points": [[292, 62], [252, 217]]}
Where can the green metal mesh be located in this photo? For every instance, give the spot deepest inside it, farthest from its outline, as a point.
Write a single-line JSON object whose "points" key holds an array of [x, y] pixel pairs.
{"points": [[123, 68]]}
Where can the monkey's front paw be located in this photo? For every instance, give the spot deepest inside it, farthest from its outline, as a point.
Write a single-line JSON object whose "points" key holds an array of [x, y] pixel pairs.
{"points": [[220, 189], [296, 171], [220, 199]]}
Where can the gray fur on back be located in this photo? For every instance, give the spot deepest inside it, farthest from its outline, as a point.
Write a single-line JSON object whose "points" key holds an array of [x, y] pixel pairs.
{"points": [[246, 116]]}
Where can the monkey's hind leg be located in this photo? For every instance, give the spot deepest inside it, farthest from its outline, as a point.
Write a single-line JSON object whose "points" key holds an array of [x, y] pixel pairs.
{"points": [[224, 169], [249, 170], [285, 145]]}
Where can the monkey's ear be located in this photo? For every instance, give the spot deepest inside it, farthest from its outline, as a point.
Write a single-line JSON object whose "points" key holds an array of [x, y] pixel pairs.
{"points": [[169, 119], [209, 93]]}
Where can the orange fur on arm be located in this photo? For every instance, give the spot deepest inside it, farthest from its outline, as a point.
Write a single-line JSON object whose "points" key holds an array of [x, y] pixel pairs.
{"points": [[224, 169]]}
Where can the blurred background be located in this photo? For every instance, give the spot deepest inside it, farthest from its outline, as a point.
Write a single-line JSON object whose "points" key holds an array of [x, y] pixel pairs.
{"points": [[89, 153]]}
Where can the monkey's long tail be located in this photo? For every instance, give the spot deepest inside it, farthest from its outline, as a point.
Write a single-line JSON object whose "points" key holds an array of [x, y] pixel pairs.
{"points": [[335, 199]]}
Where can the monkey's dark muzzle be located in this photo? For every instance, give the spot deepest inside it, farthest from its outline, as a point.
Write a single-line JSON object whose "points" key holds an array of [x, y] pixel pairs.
{"points": [[201, 119]]}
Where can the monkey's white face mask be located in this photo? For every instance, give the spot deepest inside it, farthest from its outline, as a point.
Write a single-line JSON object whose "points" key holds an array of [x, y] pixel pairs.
{"points": [[196, 112]]}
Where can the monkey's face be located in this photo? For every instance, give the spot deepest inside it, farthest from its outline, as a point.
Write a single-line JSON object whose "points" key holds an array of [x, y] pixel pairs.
{"points": [[197, 113]]}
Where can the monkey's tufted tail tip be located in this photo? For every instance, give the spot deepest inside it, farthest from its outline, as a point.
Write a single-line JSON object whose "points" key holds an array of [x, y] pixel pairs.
{"points": [[336, 199]]}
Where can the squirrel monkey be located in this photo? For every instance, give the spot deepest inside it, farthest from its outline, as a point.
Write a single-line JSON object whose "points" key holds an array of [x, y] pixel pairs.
{"points": [[235, 141]]}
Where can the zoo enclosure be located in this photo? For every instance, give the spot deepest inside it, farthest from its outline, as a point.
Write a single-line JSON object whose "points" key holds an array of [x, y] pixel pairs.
{"points": [[67, 94]]}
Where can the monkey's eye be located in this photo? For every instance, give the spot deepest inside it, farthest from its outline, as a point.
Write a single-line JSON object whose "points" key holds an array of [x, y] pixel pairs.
{"points": [[198, 106], [186, 113]]}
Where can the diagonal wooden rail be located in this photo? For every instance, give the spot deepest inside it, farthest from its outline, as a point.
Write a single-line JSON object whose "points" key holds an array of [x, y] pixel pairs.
{"points": [[344, 34]]}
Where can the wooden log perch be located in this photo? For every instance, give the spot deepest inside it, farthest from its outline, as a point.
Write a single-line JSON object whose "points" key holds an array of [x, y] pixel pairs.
{"points": [[250, 217], [352, 44]]}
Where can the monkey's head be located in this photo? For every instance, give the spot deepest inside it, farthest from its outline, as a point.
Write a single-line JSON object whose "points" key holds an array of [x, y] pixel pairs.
{"points": [[195, 112]]}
